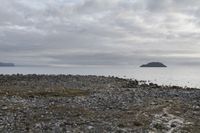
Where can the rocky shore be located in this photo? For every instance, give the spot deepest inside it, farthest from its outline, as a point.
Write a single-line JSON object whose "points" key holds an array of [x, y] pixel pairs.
{"points": [[95, 104]]}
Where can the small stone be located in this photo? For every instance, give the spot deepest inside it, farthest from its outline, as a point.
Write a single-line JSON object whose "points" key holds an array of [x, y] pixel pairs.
{"points": [[5, 107], [165, 114], [90, 127], [173, 125]]}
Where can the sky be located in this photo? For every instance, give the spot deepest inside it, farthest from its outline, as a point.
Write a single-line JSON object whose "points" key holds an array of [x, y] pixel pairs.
{"points": [[99, 32]]}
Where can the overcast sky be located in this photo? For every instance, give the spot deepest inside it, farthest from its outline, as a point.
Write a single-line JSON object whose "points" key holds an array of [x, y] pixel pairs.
{"points": [[99, 32]]}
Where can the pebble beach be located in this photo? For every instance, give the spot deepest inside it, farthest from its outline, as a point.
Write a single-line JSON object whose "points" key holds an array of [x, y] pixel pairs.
{"points": [[95, 104]]}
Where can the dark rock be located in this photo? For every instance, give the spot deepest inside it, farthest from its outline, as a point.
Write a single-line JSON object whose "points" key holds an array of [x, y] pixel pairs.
{"points": [[173, 125]]}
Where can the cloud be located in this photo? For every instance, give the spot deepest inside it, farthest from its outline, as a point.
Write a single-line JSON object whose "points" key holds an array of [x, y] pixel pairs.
{"points": [[98, 32]]}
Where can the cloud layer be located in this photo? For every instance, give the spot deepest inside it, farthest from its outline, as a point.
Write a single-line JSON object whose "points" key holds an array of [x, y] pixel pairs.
{"points": [[99, 32]]}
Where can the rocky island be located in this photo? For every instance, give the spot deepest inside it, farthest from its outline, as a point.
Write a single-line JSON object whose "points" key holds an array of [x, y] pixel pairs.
{"points": [[154, 64], [6, 64], [95, 104]]}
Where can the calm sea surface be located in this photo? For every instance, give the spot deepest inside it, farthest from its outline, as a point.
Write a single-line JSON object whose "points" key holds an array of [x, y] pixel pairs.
{"points": [[182, 76]]}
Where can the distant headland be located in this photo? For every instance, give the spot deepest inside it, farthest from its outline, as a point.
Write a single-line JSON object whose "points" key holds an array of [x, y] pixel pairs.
{"points": [[6, 64], [154, 64]]}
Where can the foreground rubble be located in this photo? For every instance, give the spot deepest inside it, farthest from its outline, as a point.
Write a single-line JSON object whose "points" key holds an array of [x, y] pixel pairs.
{"points": [[66, 103]]}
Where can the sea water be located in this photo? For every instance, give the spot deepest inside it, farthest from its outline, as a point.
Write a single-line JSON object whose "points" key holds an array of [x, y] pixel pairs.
{"points": [[176, 75]]}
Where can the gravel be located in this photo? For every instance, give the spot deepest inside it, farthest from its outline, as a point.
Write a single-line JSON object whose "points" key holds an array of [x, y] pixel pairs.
{"points": [[95, 104]]}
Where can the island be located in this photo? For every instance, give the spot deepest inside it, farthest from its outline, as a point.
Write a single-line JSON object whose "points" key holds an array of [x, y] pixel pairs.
{"points": [[154, 64], [6, 64]]}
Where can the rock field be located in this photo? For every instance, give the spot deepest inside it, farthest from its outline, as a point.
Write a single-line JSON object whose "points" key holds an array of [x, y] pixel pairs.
{"points": [[95, 104]]}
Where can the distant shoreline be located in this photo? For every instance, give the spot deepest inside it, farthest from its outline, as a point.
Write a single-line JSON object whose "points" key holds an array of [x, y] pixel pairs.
{"points": [[2, 64], [139, 82]]}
